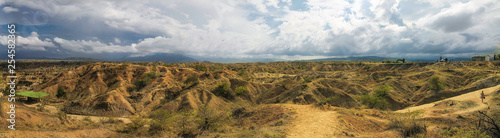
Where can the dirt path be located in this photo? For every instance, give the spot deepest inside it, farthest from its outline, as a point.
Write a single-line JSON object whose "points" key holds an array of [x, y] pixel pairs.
{"points": [[99, 118], [471, 96], [311, 122], [53, 110]]}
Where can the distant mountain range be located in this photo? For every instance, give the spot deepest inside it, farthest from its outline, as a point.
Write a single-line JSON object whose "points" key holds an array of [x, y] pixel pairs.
{"points": [[380, 59], [163, 57], [356, 59], [179, 58]]}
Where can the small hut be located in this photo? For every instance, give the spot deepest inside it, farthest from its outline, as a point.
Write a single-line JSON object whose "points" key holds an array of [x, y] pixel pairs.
{"points": [[481, 58], [33, 96]]}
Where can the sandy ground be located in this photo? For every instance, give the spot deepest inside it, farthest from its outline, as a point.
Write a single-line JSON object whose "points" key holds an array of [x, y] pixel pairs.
{"points": [[54, 110], [311, 122], [471, 96], [99, 118], [87, 133]]}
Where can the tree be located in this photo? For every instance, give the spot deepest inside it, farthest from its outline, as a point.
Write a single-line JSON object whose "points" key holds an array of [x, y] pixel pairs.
{"points": [[487, 123]]}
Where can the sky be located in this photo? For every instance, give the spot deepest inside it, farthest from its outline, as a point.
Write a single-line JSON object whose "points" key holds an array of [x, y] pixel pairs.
{"points": [[275, 29]]}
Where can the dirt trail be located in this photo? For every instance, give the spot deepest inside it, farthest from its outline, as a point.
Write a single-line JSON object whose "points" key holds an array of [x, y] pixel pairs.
{"points": [[99, 118], [311, 122], [471, 96], [53, 110]]}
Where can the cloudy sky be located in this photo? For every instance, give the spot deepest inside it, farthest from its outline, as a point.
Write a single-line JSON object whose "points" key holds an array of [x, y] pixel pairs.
{"points": [[280, 29]]}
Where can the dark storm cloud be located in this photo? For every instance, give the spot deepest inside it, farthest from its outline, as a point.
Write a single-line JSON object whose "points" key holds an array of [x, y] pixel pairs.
{"points": [[267, 28]]}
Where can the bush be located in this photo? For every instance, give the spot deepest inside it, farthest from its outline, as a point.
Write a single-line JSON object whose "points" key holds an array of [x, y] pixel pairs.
{"points": [[186, 123], [192, 79], [374, 102], [244, 75], [224, 90], [200, 67], [211, 120], [87, 118], [436, 84], [161, 121], [408, 124], [377, 99], [382, 91], [136, 127], [241, 90], [60, 92], [141, 83], [329, 101], [463, 132]]}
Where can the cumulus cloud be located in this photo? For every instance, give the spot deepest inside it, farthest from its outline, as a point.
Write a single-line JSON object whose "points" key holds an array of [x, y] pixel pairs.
{"points": [[32, 42], [9, 9], [273, 28], [89, 46]]}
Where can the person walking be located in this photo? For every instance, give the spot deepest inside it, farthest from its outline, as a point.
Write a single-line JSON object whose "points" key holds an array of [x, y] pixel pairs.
{"points": [[482, 96]]}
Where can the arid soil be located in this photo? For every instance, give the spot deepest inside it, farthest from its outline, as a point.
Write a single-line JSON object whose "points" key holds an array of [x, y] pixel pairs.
{"points": [[316, 99]]}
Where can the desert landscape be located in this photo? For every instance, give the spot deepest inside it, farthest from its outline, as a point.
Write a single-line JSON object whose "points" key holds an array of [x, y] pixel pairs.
{"points": [[250, 68], [276, 99]]}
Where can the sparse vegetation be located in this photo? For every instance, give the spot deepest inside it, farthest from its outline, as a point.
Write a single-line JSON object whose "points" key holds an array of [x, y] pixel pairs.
{"points": [[192, 79], [241, 90], [141, 83], [60, 92], [224, 90], [377, 99], [374, 102], [201, 99], [408, 124], [436, 84], [244, 75]]}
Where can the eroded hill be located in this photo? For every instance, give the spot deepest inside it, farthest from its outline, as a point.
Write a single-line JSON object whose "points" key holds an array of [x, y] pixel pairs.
{"points": [[143, 89]]}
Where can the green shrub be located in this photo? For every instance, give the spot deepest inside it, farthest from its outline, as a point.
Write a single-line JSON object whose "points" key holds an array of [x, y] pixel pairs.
{"points": [[186, 123], [408, 124], [87, 118], [382, 91], [136, 127], [161, 120], [374, 102], [224, 90], [244, 75], [141, 83], [377, 99], [192, 79], [436, 84], [60, 92], [200, 67], [211, 120], [463, 132], [308, 79], [241, 90]]}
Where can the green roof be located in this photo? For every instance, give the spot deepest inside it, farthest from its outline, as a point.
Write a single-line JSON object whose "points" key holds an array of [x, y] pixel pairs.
{"points": [[481, 56], [33, 94]]}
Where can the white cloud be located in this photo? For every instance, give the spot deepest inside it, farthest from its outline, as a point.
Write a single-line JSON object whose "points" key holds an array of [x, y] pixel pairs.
{"points": [[259, 28], [117, 40], [31, 42], [90, 46], [9, 9]]}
